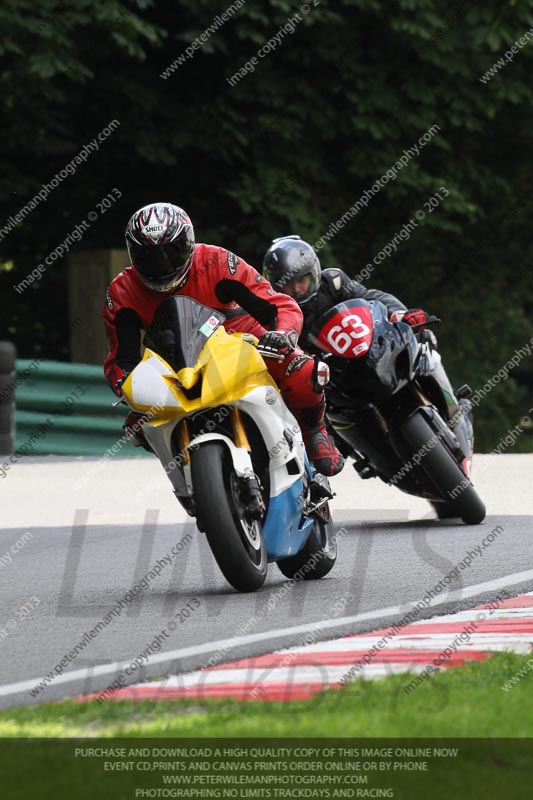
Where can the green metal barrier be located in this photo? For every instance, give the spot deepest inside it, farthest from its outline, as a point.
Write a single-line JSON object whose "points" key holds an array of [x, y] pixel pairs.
{"points": [[65, 409]]}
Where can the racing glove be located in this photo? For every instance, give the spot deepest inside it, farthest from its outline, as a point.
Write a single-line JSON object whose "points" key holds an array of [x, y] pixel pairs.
{"points": [[278, 343], [415, 317]]}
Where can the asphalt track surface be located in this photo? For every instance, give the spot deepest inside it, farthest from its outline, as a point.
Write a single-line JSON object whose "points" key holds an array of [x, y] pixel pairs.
{"points": [[77, 534]]}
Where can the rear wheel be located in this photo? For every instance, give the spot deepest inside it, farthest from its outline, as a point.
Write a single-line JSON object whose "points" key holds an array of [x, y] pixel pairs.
{"points": [[445, 510], [235, 538], [318, 555], [443, 471]]}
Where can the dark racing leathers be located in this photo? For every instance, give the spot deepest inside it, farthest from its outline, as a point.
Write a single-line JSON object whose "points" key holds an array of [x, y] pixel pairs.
{"points": [[222, 281]]}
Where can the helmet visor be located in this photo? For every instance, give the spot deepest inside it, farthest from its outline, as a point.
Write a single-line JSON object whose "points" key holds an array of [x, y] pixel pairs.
{"points": [[161, 266], [302, 287]]}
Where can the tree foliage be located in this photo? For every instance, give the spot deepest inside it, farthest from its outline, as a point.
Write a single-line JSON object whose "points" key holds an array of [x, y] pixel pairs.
{"points": [[288, 148]]}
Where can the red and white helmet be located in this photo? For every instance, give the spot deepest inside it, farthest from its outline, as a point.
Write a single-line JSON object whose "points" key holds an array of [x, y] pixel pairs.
{"points": [[160, 241]]}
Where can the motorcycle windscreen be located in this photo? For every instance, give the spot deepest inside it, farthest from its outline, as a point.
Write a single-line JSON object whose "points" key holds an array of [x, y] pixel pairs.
{"points": [[180, 329], [346, 330]]}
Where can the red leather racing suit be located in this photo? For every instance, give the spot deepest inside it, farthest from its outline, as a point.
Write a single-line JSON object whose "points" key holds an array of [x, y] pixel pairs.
{"points": [[222, 281]]}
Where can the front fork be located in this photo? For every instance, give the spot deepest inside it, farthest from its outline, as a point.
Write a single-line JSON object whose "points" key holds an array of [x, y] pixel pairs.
{"points": [[237, 428], [252, 489], [253, 497], [184, 440]]}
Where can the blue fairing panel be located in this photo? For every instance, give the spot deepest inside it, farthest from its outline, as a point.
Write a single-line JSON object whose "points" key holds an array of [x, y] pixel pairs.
{"points": [[283, 536]]}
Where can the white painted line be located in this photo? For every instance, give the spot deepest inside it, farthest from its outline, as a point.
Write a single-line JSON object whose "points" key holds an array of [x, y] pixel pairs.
{"points": [[497, 615], [236, 641]]}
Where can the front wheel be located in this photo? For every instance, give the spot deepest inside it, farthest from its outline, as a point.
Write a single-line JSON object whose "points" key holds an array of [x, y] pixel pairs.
{"points": [[236, 540], [318, 555], [443, 471]]}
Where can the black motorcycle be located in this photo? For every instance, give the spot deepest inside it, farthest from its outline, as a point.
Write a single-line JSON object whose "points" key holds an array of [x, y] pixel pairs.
{"points": [[392, 409]]}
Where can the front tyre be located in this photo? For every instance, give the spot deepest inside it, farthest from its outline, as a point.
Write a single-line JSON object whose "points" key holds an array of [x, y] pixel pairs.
{"points": [[236, 540], [443, 471], [318, 555]]}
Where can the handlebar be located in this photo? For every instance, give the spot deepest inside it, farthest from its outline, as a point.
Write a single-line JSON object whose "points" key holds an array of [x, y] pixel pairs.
{"points": [[429, 321], [265, 352], [269, 353]]}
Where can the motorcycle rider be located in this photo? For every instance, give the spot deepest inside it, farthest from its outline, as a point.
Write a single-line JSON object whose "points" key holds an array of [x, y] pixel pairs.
{"points": [[292, 267], [166, 261]]}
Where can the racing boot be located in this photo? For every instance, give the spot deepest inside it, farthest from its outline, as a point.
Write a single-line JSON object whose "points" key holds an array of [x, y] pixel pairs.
{"points": [[320, 448]]}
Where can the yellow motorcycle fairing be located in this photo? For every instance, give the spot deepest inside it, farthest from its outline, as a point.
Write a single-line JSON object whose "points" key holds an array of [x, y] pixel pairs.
{"points": [[229, 367]]}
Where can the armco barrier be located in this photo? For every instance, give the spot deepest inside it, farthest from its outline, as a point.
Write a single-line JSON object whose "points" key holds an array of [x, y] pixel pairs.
{"points": [[66, 409]]}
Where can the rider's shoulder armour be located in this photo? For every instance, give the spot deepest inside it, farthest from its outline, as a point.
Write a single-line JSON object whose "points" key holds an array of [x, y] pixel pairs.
{"points": [[334, 280]]}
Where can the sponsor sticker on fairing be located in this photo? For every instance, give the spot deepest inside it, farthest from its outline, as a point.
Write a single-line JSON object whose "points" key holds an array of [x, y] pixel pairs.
{"points": [[271, 396], [209, 326]]}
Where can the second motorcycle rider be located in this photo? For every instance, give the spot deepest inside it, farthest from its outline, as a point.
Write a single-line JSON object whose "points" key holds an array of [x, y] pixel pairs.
{"points": [[292, 267]]}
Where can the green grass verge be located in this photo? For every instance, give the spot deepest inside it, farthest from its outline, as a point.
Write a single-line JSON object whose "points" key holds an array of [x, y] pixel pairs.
{"points": [[467, 702]]}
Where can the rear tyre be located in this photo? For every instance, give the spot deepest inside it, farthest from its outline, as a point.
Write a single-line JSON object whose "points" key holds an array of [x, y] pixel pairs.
{"points": [[445, 510], [235, 539], [443, 471], [318, 555]]}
